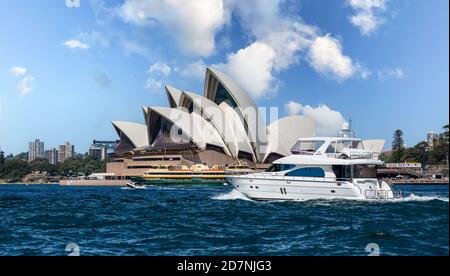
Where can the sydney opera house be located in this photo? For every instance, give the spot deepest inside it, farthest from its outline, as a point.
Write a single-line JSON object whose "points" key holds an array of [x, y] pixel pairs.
{"points": [[223, 127]]}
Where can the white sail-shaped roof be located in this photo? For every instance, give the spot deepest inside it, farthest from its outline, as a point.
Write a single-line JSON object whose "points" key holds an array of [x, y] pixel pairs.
{"points": [[213, 114], [136, 133], [199, 131], [234, 131], [173, 96], [235, 96], [284, 133], [224, 118]]}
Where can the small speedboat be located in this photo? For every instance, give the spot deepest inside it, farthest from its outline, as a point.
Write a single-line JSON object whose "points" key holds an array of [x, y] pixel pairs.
{"points": [[134, 185]]}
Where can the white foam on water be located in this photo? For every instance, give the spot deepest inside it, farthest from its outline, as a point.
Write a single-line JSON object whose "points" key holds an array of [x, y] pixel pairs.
{"points": [[236, 195], [410, 198], [413, 197], [131, 189], [232, 195]]}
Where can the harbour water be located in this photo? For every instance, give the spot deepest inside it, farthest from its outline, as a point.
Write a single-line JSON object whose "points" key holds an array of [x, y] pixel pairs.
{"points": [[192, 221]]}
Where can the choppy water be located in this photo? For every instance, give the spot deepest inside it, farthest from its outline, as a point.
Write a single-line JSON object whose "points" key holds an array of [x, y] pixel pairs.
{"points": [[42, 220]]}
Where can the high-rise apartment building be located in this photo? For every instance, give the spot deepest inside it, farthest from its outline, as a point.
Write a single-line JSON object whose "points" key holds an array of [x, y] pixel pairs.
{"points": [[52, 156], [36, 150], [65, 152]]}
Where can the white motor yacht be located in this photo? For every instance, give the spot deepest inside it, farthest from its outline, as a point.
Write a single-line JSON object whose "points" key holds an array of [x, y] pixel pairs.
{"points": [[321, 168]]}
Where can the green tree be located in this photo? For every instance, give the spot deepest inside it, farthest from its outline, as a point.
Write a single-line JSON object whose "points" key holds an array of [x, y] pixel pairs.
{"points": [[42, 165], [445, 133], [22, 156], [416, 154], [71, 167], [92, 165], [385, 158], [2, 158], [398, 146], [445, 136], [439, 153], [14, 169]]}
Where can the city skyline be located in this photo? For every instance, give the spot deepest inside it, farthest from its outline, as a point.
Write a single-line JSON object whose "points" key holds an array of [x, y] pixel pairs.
{"points": [[57, 155], [102, 61]]}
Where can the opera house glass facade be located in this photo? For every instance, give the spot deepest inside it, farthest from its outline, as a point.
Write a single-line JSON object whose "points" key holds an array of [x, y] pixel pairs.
{"points": [[223, 127]]}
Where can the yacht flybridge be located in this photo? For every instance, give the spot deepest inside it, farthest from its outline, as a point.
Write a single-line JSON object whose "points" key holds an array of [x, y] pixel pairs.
{"points": [[321, 168]]}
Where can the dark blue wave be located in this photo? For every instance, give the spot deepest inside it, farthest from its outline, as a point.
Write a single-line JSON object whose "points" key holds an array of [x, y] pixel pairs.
{"points": [[42, 220]]}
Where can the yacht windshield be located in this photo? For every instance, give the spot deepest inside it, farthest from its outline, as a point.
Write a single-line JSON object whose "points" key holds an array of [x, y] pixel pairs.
{"points": [[280, 167], [339, 146], [307, 147]]}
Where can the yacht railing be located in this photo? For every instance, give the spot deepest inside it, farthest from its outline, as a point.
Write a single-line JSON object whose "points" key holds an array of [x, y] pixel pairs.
{"points": [[355, 155]]}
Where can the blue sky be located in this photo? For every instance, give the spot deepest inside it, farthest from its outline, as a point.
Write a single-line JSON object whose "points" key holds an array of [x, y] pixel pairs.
{"points": [[66, 73]]}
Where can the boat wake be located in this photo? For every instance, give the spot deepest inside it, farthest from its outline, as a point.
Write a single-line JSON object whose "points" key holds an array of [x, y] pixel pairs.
{"points": [[422, 198], [236, 195], [133, 189], [231, 195]]}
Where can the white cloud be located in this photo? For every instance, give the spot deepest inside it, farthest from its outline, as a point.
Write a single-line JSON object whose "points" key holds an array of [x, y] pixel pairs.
{"points": [[277, 44], [18, 71], [277, 41], [289, 43], [326, 57], [194, 70], [327, 121], [95, 38], [293, 108], [153, 85], [103, 13], [392, 73], [193, 23], [160, 68], [76, 44], [24, 85], [280, 42], [366, 16], [252, 68], [157, 73]]}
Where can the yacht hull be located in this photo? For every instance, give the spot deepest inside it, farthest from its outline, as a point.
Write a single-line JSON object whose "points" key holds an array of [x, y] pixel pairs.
{"points": [[291, 189]]}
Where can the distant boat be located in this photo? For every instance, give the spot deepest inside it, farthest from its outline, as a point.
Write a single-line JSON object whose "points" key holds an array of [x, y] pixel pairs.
{"points": [[133, 185]]}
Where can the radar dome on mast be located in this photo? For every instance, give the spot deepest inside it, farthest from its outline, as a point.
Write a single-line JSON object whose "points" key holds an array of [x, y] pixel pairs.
{"points": [[346, 130]]}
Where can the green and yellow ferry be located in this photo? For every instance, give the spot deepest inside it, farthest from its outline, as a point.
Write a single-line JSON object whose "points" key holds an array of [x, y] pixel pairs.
{"points": [[198, 174]]}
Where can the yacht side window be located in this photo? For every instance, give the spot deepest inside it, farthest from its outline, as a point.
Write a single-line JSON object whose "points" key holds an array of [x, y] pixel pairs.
{"points": [[307, 172], [342, 172], [280, 167], [365, 171], [332, 148]]}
